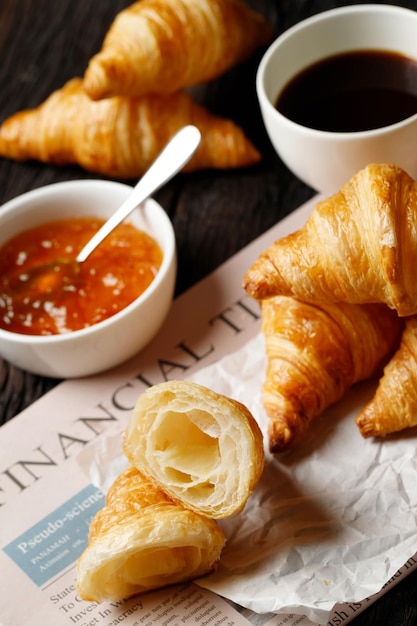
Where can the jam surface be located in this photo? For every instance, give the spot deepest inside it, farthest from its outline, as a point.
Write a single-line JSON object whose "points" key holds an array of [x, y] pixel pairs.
{"points": [[41, 297]]}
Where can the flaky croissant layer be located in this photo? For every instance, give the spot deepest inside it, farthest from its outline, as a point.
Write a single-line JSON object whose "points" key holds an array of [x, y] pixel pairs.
{"points": [[156, 46], [206, 449], [202, 455], [119, 137], [358, 246], [394, 405], [314, 354], [142, 540]]}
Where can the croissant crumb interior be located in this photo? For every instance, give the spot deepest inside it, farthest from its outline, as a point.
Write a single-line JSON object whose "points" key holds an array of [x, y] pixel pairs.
{"points": [[166, 562], [204, 448], [188, 442]]}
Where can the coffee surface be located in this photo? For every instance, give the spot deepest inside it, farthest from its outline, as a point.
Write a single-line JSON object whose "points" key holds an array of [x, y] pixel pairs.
{"points": [[352, 92]]}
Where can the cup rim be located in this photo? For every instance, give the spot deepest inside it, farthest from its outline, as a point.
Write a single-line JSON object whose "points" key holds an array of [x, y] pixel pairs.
{"points": [[167, 260], [306, 23]]}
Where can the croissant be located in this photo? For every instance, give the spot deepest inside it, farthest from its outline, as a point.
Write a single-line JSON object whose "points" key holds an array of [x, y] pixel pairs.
{"points": [[119, 137], [358, 246], [142, 540], [394, 405], [205, 449], [162, 46], [314, 354]]}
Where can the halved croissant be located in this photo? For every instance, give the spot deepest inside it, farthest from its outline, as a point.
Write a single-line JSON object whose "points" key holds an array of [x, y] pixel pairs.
{"points": [[162, 46], [394, 405], [314, 354], [205, 449], [358, 246], [142, 540], [119, 137]]}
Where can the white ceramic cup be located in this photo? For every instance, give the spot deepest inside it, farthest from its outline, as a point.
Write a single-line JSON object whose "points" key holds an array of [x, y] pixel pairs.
{"points": [[114, 340], [326, 160]]}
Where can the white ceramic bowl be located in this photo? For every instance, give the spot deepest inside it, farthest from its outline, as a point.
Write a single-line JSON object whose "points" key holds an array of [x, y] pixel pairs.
{"points": [[325, 160], [116, 339]]}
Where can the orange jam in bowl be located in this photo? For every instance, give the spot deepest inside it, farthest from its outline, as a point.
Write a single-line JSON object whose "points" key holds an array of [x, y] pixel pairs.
{"points": [[45, 303]]}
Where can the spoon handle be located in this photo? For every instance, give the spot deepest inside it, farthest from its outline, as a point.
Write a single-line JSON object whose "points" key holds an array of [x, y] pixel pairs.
{"points": [[169, 162]]}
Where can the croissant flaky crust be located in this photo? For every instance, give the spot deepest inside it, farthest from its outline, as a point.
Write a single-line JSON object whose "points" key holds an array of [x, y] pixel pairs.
{"points": [[119, 137], [394, 405], [205, 449], [160, 46], [358, 246], [314, 354], [142, 540]]}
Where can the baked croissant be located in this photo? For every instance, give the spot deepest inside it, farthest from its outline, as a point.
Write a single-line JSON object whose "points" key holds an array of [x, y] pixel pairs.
{"points": [[142, 540], [119, 137], [358, 246], [394, 405], [205, 449], [162, 46], [314, 354]]}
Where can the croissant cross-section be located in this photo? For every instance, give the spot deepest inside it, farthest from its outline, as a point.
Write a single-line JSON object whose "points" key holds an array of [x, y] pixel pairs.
{"points": [[205, 449], [142, 540]]}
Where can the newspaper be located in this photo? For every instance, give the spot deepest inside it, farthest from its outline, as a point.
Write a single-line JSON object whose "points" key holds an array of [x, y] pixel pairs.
{"points": [[53, 480]]}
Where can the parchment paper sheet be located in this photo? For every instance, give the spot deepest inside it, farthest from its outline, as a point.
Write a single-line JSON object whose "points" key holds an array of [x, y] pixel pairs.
{"points": [[331, 521]]}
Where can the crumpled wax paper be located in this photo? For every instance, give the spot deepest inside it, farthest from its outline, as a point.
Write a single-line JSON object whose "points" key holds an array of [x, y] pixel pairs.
{"points": [[330, 521]]}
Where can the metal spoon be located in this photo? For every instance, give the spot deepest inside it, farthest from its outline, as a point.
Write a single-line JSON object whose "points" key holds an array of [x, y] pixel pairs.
{"points": [[170, 161], [177, 152]]}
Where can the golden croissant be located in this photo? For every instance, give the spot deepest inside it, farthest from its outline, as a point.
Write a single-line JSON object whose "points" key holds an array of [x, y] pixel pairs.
{"points": [[142, 540], [394, 405], [119, 137], [357, 246], [162, 46], [314, 354], [204, 448]]}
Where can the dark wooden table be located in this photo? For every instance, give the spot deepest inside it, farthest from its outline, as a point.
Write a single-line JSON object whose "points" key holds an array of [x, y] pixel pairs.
{"points": [[43, 43]]}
